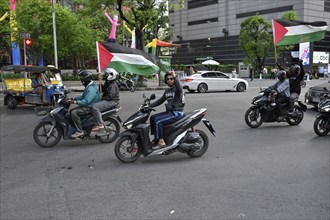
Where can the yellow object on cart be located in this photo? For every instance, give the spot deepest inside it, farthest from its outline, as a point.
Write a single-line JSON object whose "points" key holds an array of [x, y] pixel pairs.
{"points": [[19, 85]]}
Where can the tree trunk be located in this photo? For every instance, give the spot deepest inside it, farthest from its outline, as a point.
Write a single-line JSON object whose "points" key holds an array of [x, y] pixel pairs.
{"points": [[139, 45]]}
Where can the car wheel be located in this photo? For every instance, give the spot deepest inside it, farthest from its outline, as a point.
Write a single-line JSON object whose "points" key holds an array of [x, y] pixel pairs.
{"points": [[202, 88], [241, 87]]}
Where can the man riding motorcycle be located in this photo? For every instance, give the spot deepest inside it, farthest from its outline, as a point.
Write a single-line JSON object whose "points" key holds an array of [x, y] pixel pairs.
{"points": [[282, 89], [110, 98], [90, 96], [296, 75]]}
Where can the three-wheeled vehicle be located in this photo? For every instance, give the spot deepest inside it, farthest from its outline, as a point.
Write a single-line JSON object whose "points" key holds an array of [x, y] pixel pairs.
{"points": [[20, 89]]}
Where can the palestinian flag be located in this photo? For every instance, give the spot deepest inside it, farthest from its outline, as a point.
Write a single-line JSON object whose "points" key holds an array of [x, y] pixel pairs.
{"points": [[124, 59], [286, 32]]}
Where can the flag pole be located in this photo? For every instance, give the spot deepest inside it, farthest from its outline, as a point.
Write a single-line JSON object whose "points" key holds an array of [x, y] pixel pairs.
{"points": [[98, 69], [274, 41]]}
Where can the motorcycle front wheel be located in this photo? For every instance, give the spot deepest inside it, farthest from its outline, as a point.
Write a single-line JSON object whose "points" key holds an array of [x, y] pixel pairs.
{"points": [[321, 126], [253, 117], [113, 128], [203, 143], [43, 138], [126, 151], [296, 116]]}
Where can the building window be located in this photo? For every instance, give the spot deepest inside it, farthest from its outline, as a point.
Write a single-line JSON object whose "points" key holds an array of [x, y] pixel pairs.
{"points": [[327, 5], [266, 11], [209, 20], [201, 3]]}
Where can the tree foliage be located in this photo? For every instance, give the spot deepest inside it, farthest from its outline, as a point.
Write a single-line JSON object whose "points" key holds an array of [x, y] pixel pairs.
{"points": [[255, 40], [78, 30]]}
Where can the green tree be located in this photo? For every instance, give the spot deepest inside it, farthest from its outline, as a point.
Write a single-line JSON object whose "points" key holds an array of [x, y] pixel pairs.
{"points": [[255, 40], [290, 15]]}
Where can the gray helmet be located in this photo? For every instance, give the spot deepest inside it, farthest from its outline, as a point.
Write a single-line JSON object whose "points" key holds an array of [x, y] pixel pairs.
{"points": [[110, 73], [281, 74]]}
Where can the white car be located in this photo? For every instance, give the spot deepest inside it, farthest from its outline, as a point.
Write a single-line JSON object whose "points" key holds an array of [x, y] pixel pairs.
{"points": [[204, 81]]}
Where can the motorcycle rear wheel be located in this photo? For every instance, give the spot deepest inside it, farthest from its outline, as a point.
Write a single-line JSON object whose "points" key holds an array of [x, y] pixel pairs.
{"points": [[321, 126], [126, 151], [204, 142], [253, 117], [40, 134], [297, 110], [114, 127]]}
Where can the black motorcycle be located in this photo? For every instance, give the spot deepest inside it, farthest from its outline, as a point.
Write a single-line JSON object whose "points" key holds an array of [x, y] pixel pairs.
{"points": [[125, 84], [322, 121], [179, 136], [263, 110], [58, 123]]}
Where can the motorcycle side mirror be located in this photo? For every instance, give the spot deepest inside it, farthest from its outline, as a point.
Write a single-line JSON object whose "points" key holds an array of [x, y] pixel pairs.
{"points": [[152, 97], [325, 89]]}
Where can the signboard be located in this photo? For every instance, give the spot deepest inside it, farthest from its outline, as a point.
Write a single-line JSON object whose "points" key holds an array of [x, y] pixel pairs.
{"points": [[320, 57], [304, 52], [295, 54], [24, 35]]}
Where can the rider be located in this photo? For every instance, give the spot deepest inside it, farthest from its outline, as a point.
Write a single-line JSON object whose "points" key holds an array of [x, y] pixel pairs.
{"points": [[90, 96], [37, 83], [282, 88], [296, 75], [110, 98], [174, 109]]}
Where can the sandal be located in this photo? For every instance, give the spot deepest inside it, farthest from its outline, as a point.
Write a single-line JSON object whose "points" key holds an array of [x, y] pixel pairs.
{"points": [[158, 146]]}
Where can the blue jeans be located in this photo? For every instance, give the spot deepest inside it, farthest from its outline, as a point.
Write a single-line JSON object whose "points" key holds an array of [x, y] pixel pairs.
{"points": [[157, 121]]}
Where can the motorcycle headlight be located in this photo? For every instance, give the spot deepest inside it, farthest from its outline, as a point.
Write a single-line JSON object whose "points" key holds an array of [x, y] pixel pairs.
{"points": [[127, 126]]}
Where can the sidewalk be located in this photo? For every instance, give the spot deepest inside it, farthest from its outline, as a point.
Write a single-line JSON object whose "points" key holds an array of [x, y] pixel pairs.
{"points": [[76, 86]]}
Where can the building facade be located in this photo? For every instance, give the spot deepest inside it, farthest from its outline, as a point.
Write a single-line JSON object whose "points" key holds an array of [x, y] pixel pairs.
{"points": [[210, 28]]}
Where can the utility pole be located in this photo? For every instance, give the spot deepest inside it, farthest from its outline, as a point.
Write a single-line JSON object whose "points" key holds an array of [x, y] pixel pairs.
{"points": [[54, 33]]}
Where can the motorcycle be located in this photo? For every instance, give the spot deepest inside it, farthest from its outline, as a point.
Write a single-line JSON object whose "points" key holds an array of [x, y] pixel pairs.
{"points": [[322, 121], [263, 110], [125, 84], [58, 122], [180, 136]]}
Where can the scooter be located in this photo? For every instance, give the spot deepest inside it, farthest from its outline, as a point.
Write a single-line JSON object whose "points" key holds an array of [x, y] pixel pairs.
{"points": [[322, 121], [180, 136], [125, 84], [263, 110], [58, 123]]}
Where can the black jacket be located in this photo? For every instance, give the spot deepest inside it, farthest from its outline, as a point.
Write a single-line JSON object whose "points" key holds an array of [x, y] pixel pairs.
{"points": [[110, 91], [294, 79], [174, 96]]}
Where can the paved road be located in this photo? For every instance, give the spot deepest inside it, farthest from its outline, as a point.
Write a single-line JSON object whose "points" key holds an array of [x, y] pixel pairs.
{"points": [[274, 172]]}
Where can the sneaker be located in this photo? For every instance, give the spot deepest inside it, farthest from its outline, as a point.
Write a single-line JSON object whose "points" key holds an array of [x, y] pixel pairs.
{"points": [[77, 134], [158, 146], [280, 118]]}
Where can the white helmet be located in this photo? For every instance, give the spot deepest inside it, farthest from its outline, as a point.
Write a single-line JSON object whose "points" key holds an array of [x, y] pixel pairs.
{"points": [[111, 73]]}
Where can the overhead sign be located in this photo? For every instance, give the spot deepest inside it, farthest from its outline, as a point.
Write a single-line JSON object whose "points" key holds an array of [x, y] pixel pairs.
{"points": [[24, 35], [320, 57]]}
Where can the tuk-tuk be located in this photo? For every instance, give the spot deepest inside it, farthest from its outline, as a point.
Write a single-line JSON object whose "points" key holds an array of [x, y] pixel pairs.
{"points": [[20, 90]]}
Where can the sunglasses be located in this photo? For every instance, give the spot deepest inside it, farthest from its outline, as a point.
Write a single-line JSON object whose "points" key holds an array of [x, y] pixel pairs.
{"points": [[168, 79]]}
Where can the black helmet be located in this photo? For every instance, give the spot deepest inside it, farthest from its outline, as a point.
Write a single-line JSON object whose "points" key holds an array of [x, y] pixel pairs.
{"points": [[294, 69], [281, 74], [85, 77]]}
